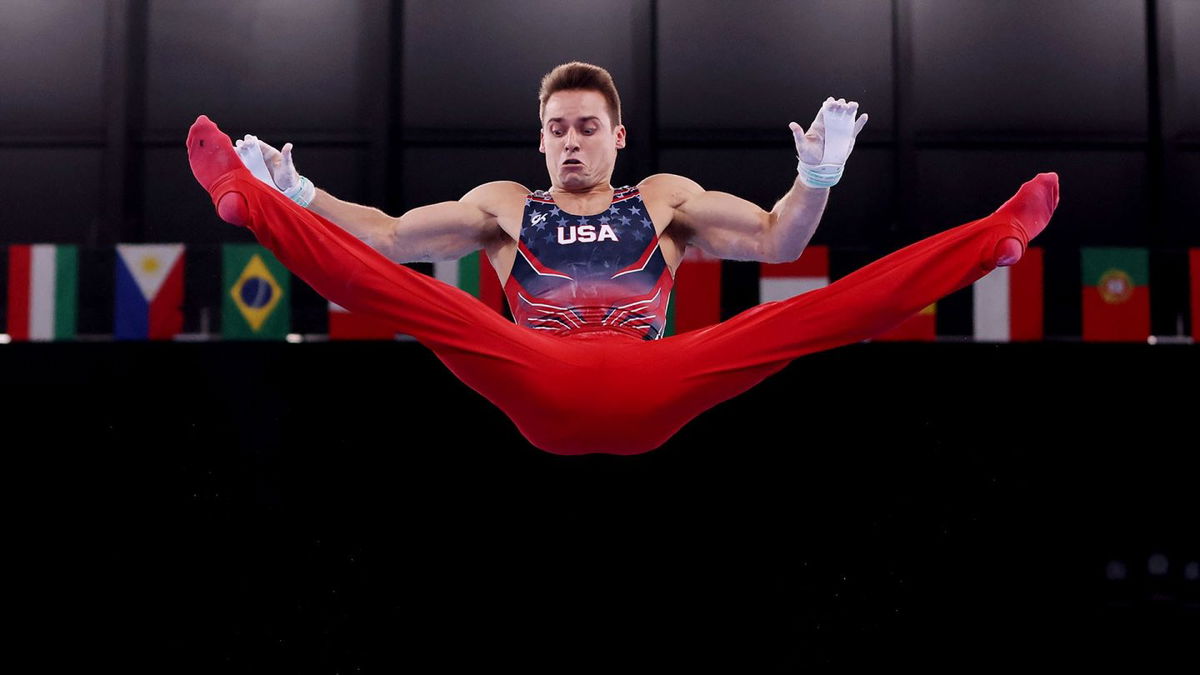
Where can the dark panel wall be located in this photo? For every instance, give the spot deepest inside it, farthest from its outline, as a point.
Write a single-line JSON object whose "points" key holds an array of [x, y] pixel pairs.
{"points": [[1179, 21], [476, 64], [50, 194], [51, 66], [269, 64], [762, 64], [1071, 69], [328, 74], [405, 103]]}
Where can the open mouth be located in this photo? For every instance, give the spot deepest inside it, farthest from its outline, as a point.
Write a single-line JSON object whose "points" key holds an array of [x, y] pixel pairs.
{"points": [[572, 162]]}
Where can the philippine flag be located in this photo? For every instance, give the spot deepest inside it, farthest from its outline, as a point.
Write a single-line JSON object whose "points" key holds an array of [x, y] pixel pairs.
{"points": [[149, 292]]}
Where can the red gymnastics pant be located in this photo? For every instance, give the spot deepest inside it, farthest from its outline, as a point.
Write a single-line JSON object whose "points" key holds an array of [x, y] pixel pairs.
{"points": [[613, 393]]}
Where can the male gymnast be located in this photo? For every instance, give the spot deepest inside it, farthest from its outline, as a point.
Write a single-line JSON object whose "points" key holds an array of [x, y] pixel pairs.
{"points": [[587, 269]]}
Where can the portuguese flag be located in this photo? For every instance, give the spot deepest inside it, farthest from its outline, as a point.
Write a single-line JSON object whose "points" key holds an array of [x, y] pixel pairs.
{"points": [[43, 284], [255, 305], [1116, 294], [696, 297], [474, 274]]}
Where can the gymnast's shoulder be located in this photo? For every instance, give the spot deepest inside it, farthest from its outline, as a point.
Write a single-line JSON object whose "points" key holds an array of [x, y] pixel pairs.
{"points": [[671, 188], [495, 194]]}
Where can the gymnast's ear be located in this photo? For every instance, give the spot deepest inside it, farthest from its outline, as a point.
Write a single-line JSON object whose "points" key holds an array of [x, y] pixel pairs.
{"points": [[542, 141], [620, 134]]}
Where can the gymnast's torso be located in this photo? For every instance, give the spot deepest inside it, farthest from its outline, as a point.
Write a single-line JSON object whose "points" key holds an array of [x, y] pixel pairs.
{"points": [[599, 262]]}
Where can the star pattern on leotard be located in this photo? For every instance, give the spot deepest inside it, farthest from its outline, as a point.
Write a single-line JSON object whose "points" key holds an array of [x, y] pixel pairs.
{"points": [[619, 216]]}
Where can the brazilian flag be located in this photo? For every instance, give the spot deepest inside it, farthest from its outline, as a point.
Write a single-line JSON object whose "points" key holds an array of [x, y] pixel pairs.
{"points": [[256, 298]]}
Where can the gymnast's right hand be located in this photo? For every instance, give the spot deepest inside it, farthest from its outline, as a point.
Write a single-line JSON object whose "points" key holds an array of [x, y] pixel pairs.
{"points": [[275, 168]]}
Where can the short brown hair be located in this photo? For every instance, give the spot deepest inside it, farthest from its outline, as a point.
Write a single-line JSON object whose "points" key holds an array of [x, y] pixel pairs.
{"points": [[579, 75]]}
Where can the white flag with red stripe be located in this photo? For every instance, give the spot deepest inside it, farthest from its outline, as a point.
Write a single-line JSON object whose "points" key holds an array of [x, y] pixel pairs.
{"points": [[1008, 301], [786, 280]]}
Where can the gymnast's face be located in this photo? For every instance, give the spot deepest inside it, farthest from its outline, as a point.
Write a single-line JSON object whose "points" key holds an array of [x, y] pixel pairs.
{"points": [[578, 139]]}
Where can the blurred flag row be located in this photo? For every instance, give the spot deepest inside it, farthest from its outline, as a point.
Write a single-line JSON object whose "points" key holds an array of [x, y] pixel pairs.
{"points": [[149, 291], [1007, 305], [149, 280]]}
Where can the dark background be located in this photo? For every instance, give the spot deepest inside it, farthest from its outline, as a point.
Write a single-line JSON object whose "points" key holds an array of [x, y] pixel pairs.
{"points": [[300, 507], [407, 103], [267, 508]]}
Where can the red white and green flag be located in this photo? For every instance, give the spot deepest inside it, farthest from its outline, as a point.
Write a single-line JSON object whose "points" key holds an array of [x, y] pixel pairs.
{"points": [[1116, 294], [43, 283], [1007, 302], [786, 280], [474, 274], [696, 296]]}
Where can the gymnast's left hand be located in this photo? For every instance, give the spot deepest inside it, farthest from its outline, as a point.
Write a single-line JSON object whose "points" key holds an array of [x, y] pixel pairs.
{"points": [[824, 148], [275, 168]]}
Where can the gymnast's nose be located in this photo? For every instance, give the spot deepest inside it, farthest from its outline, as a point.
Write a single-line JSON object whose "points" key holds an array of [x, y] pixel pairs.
{"points": [[571, 139]]}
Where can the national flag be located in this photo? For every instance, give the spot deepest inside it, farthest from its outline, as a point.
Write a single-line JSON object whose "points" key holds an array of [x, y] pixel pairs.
{"points": [[785, 280], [696, 297], [920, 327], [1008, 301], [1116, 294], [149, 291], [43, 291], [255, 304], [474, 274], [1194, 258], [346, 325]]}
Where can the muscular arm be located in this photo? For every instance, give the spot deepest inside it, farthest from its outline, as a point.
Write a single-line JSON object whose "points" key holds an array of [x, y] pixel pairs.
{"points": [[728, 226], [443, 231]]}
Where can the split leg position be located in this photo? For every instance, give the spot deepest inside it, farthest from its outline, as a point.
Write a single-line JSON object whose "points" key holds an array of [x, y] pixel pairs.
{"points": [[613, 394]]}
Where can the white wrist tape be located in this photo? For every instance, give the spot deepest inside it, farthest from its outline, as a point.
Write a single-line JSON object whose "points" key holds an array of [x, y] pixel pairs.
{"points": [[820, 175], [302, 193]]}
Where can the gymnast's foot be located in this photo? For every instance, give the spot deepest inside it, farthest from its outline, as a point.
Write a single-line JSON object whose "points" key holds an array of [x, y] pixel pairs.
{"points": [[1030, 209], [212, 157]]}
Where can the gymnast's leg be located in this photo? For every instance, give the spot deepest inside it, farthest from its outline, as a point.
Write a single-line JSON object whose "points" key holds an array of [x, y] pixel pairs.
{"points": [[507, 364], [335, 263], [721, 361]]}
